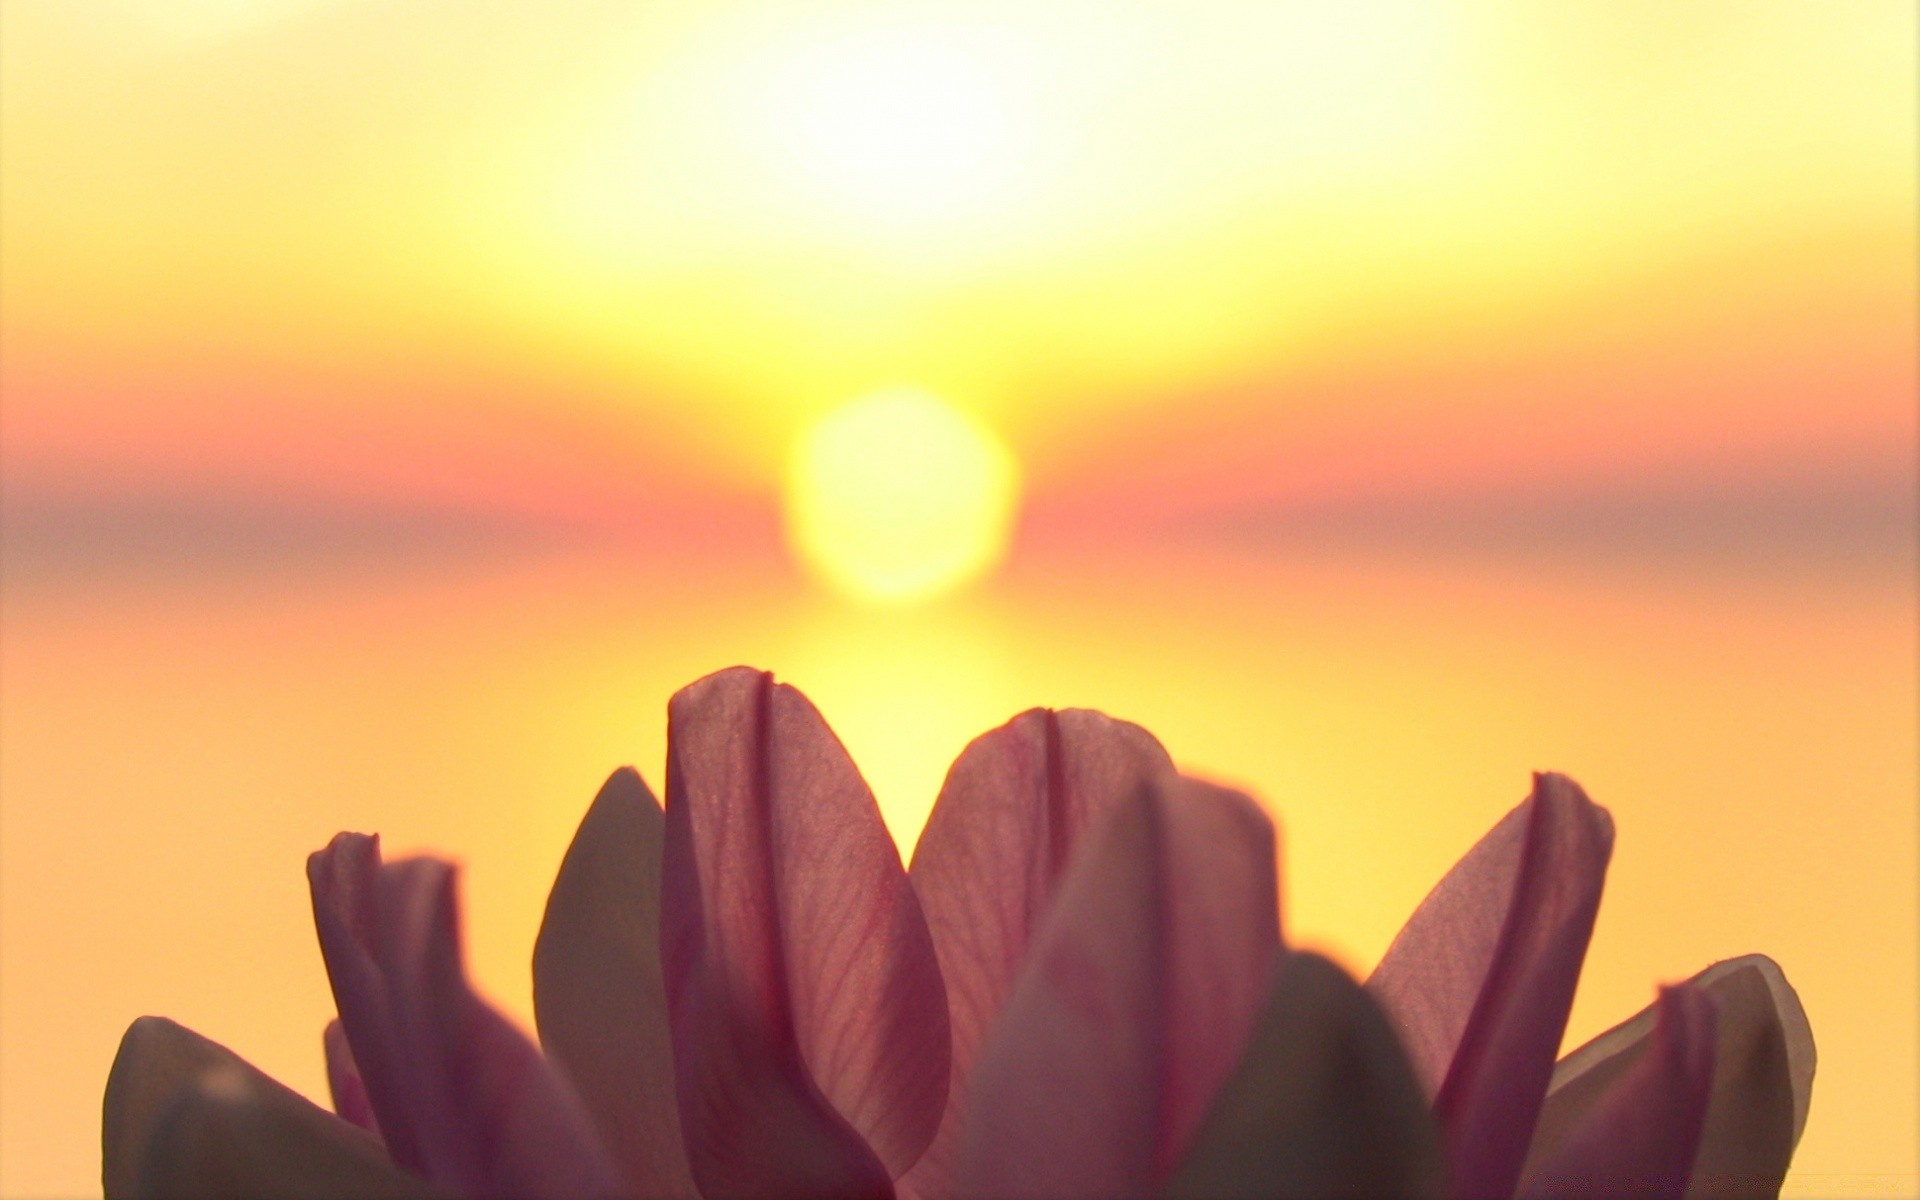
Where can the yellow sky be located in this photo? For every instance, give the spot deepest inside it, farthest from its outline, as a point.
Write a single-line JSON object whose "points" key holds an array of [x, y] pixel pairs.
{"points": [[700, 202]]}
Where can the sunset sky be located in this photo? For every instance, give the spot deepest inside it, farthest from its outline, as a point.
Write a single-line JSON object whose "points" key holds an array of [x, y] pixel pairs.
{"points": [[1377, 400]]}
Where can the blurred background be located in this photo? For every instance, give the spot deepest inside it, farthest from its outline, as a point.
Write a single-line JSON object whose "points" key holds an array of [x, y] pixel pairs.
{"points": [[1378, 400]]}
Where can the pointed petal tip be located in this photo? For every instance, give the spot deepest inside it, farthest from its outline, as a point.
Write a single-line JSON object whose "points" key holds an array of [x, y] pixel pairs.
{"points": [[778, 880], [329, 866], [725, 681], [344, 841], [623, 780], [1132, 1004], [1011, 814], [157, 1057], [144, 1029], [1554, 788], [1480, 980], [599, 997]]}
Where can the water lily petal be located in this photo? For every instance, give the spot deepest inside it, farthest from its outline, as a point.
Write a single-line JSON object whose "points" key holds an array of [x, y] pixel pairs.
{"points": [[1630, 1123], [1762, 1079], [1223, 935], [231, 1133], [1134, 1002], [1479, 982], [809, 1020], [495, 1118], [470, 1099], [598, 996], [345, 882], [344, 1082], [185, 1116], [1763, 1084], [995, 846], [156, 1059], [1322, 1104]]}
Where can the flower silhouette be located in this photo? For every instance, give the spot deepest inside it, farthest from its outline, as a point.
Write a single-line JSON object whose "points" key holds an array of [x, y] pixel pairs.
{"points": [[1078, 989]]}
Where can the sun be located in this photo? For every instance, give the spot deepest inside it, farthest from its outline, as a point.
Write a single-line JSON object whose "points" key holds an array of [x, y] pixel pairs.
{"points": [[899, 497]]}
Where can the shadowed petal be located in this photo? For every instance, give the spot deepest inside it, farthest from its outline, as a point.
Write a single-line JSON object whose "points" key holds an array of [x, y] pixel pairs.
{"points": [[1008, 817], [157, 1058], [1479, 982], [1631, 1126], [344, 1082], [1762, 1079], [598, 996], [495, 1119], [477, 1107], [1322, 1104], [233, 1134], [187, 1117], [1133, 1004], [809, 1020], [1763, 1084]]}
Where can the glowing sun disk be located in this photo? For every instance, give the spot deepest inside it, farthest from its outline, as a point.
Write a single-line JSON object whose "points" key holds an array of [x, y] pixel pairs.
{"points": [[899, 497]]}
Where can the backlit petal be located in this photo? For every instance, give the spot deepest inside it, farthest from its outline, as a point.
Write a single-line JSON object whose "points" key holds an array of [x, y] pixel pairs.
{"points": [[478, 1108], [1006, 822], [1134, 1003], [1479, 982], [598, 996], [809, 1020], [495, 1119], [1762, 1079], [1630, 1125], [345, 882], [1323, 1103]]}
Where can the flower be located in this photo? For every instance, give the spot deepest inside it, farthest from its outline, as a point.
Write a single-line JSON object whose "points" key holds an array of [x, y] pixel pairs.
{"points": [[1078, 989]]}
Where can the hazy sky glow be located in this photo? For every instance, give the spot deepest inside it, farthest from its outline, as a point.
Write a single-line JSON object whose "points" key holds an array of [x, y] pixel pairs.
{"points": [[399, 397]]}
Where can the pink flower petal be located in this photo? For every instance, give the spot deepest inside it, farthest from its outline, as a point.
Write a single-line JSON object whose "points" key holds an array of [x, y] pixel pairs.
{"points": [[345, 881], [186, 1117], [344, 1082], [1322, 1104], [1007, 820], [809, 1020], [1133, 1004], [1630, 1124], [598, 996], [1761, 1080], [1479, 982], [495, 1119], [477, 1107]]}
